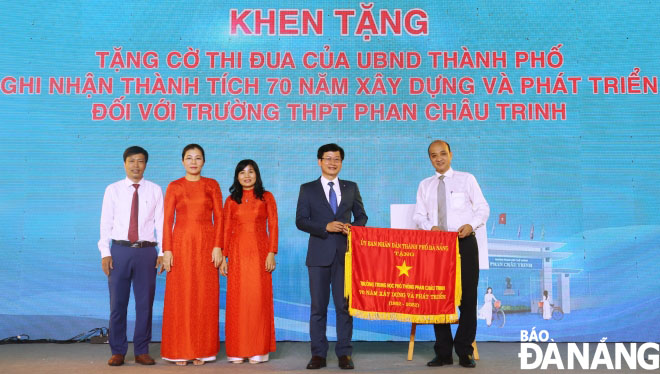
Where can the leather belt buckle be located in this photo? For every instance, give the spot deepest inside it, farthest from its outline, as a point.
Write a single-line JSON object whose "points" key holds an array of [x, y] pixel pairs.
{"points": [[139, 244]]}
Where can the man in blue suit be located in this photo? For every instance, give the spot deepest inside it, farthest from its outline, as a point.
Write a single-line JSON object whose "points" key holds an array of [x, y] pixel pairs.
{"points": [[324, 211]]}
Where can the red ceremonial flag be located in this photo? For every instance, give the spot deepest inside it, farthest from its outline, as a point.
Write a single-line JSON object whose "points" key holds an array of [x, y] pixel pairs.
{"points": [[502, 218], [403, 275]]}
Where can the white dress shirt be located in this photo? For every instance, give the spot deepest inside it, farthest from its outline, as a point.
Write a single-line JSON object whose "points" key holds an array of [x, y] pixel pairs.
{"points": [[464, 201], [116, 213], [326, 189]]}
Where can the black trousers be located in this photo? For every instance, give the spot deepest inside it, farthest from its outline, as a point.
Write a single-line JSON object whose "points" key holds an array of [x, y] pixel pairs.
{"points": [[467, 322]]}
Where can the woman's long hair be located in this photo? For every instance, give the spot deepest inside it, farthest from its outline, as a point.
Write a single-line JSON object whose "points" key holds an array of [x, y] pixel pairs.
{"points": [[236, 189]]}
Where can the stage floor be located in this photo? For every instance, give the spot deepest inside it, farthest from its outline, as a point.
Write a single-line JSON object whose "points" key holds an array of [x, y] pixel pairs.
{"points": [[291, 357]]}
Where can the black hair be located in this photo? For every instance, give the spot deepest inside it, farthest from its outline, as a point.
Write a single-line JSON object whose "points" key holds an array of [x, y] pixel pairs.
{"points": [[332, 147], [489, 288], [193, 146], [236, 189], [438, 141], [135, 150]]}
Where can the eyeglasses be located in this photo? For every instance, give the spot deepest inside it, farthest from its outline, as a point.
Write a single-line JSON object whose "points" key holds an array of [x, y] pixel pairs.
{"points": [[330, 159]]}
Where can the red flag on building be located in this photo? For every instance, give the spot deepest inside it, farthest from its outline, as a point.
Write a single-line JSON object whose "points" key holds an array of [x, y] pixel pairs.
{"points": [[403, 275], [502, 218]]}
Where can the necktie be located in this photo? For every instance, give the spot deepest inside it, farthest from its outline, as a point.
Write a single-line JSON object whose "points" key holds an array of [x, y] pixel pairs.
{"points": [[442, 204], [332, 197], [133, 225]]}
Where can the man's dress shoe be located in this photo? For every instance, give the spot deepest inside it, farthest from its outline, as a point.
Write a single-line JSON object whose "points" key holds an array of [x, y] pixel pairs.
{"points": [[144, 359], [346, 363], [316, 362], [116, 360], [467, 361], [439, 361]]}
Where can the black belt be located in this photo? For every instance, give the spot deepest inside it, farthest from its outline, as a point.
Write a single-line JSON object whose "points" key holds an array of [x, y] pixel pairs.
{"points": [[142, 244]]}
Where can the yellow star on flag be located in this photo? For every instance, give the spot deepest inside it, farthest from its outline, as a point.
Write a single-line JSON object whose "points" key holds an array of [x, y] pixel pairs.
{"points": [[403, 269]]}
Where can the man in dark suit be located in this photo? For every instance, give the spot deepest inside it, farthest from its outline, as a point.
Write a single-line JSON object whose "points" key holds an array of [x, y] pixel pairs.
{"points": [[324, 211]]}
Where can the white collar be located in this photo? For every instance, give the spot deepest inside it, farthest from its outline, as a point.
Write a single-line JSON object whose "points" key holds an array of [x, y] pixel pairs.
{"points": [[325, 181], [130, 183], [448, 174]]}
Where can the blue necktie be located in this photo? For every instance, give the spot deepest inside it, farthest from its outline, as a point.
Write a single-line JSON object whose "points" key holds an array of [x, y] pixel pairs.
{"points": [[333, 198]]}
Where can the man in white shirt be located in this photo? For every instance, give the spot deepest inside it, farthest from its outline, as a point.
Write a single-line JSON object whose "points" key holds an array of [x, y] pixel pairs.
{"points": [[132, 210], [452, 201]]}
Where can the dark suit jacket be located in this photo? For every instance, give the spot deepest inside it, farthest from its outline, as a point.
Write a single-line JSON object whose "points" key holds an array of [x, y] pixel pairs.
{"points": [[314, 213]]}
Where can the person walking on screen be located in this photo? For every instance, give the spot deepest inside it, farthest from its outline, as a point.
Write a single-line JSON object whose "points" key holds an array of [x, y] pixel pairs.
{"points": [[486, 311], [452, 201], [250, 247], [132, 210], [547, 305], [324, 210], [192, 241]]}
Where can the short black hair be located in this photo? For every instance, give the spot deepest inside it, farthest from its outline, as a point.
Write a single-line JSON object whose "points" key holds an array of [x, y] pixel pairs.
{"points": [[428, 150], [193, 146], [332, 147], [136, 150]]}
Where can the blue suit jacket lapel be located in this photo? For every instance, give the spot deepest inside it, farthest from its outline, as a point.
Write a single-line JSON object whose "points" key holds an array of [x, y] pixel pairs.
{"points": [[344, 196], [323, 198]]}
